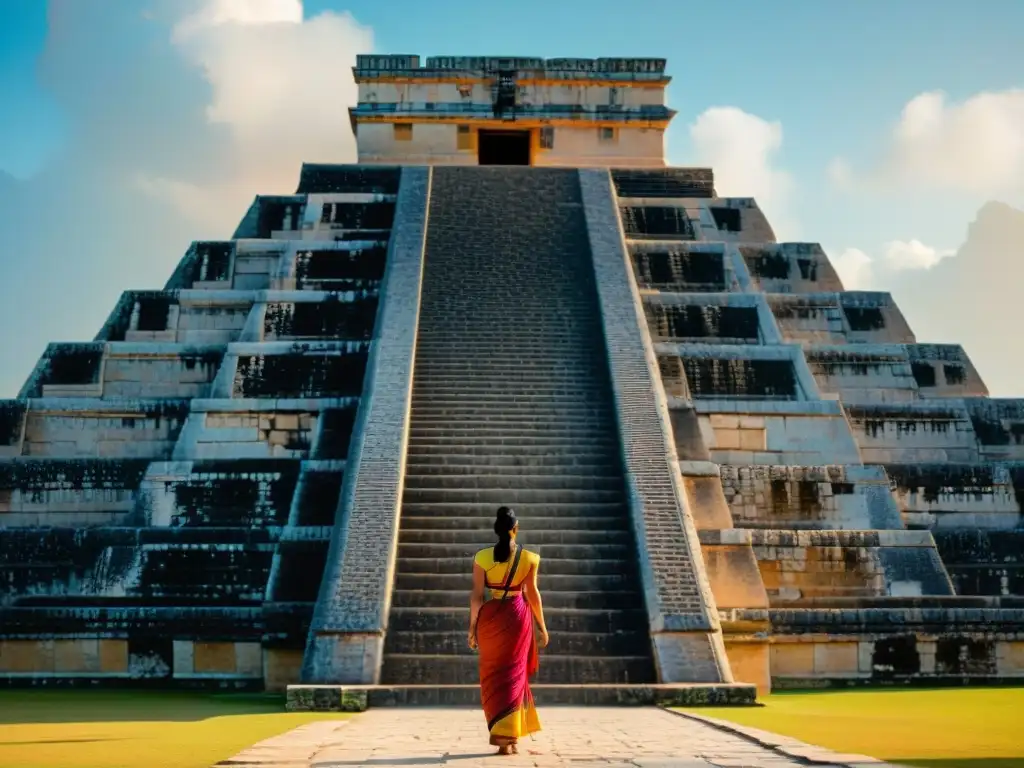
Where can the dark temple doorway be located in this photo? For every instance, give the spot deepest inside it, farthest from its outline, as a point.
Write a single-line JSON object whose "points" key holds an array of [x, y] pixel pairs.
{"points": [[504, 147]]}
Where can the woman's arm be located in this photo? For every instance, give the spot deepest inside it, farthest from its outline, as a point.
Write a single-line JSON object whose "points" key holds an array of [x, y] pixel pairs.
{"points": [[476, 602], [536, 605]]}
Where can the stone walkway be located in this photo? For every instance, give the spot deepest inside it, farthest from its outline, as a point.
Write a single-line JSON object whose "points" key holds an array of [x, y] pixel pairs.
{"points": [[577, 737]]}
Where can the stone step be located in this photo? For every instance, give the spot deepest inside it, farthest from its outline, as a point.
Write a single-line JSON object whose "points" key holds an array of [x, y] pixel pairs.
{"points": [[578, 431], [510, 496], [330, 698], [467, 390], [564, 451], [435, 598], [525, 511], [451, 362], [569, 440], [537, 470], [562, 643], [456, 619], [575, 481], [513, 411], [553, 567], [548, 582], [425, 374], [534, 460], [561, 551], [521, 400], [432, 669], [528, 538], [485, 523], [464, 355]]}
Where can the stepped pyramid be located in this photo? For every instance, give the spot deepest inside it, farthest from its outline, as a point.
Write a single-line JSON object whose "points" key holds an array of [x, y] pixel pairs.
{"points": [[274, 471]]}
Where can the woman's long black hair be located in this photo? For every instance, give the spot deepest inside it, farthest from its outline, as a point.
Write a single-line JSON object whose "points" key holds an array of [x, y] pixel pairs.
{"points": [[504, 523]]}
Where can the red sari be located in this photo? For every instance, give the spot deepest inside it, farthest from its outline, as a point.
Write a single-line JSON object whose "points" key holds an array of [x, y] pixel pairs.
{"points": [[508, 659]]}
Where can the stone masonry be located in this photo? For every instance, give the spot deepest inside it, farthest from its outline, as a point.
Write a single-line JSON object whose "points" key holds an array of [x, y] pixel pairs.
{"points": [[274, 470]]}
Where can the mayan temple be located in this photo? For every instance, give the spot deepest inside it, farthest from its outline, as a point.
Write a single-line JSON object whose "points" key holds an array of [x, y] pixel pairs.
{"points": [[274, 472]]}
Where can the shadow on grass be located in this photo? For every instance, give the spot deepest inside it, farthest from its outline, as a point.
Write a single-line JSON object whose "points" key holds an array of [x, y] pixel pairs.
{"points": [[965, 762], [25, 707], [53, 741]]}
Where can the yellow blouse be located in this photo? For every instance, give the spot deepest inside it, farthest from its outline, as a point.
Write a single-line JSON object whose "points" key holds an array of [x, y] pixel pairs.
{"points": [[496, 573]]}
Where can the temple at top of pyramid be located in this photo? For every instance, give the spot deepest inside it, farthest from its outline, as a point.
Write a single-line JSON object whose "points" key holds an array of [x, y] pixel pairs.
{"points": [[275, 471], [458, 110]]}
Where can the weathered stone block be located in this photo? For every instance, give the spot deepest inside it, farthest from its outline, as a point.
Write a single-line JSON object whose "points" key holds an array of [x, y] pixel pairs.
{"points": [[835, 659], [214, 658], [113, 656], [792, 659], [249, 660], [750, 662], [27, 656], [79, 655], [281, 668]]}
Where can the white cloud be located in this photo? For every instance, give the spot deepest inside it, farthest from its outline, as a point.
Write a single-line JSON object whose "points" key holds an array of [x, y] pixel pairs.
{"points": [[854, 268], [741, 148], [902, 255], [859, 271], [281, 87], [178, 113], [974, 146]]}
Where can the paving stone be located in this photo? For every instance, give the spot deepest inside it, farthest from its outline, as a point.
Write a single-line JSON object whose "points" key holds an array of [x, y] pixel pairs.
{"points": [[641, 737]]}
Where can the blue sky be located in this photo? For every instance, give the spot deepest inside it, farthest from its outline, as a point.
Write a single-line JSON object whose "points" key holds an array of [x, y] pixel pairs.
{"points": [[832, 77]]}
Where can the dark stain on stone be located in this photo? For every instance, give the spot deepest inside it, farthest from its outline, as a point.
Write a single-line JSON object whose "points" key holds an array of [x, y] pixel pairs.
{"points": [[697, 271], [656, 223], [318, 499], [328, 319], [676, 322], [12, 419], [864, 318], [300, 571], [954, 374], [38, 475], [767, 265], [726, 219], [336, 426], [348, 179], [935, 480], [964, 656], [664, 183], [205, 574], [359, 216], [150, 656], [212, 262], [73, 364], [277, 212], [340, 270], [808, 269], [896, 655], [924, 374], [982, 562], [256, 493], [301, 375], [736, 378], [153, 313]]}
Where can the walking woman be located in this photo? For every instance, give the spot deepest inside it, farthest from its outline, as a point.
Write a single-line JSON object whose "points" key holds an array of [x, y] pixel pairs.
{"points": [[502, 629]]}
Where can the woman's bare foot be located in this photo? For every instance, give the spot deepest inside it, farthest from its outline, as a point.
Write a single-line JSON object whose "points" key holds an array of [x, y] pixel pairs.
{"points": [[515, 748], [505, 749]]}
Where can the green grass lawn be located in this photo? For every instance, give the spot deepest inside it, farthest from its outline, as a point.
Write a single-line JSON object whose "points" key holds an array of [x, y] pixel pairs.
{"points": [[115, 729], [944, 728]]}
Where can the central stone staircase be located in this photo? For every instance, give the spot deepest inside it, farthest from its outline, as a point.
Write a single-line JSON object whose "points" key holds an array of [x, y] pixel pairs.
{"points": [[512, 405]]}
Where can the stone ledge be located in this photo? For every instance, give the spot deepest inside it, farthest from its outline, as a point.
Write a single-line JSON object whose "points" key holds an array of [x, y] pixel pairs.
{"points": [[766, 537], [785, 746], [356, 698]]}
